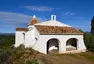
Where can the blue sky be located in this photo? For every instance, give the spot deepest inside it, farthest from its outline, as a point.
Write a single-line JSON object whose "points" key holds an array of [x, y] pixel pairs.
{"points": [[18, 13]]}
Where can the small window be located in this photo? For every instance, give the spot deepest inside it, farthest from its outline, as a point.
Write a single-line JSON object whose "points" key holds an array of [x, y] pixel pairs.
{"points": [[36, 38], [24, 36]]}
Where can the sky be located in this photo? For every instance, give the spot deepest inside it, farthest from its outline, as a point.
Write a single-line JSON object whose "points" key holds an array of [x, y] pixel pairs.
{"points": [[18, 13]]}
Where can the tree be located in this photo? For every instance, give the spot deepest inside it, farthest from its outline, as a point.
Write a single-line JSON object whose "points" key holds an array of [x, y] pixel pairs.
{"points": [[89, 41], [81, 30], [92, 26]]}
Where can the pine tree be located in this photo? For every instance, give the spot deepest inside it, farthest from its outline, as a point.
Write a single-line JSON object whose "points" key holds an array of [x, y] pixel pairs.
{"points": [[92, 26]]}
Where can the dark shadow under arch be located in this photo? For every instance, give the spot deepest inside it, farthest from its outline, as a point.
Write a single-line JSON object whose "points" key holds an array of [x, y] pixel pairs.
{"points": [[71, 44], [53, 42]]}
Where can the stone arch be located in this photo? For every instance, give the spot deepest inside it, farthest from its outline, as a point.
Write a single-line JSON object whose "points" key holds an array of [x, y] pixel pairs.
{"points": [[53, 45], [71, 44]]}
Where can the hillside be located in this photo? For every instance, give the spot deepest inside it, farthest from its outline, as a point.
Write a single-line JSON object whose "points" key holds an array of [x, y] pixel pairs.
{"points": [[21, 55], [82, 58]]}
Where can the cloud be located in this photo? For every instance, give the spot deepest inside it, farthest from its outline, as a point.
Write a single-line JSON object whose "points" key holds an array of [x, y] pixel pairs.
{"points": [[39, 8], [72, 13], [68, 13], [16, 19]]}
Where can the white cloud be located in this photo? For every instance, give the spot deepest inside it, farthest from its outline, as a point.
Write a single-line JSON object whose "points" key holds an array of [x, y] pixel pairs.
{"points": [[16, 19], [68, 13], [39, 8], [72, 13]]}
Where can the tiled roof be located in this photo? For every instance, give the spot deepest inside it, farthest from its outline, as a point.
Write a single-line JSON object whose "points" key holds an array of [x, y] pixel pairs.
{"points": [[56, 30], [21, 29], [33, 21]]}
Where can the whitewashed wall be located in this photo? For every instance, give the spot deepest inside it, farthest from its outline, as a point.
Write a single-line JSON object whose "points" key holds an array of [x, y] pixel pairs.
{"points": [[19, 38], [31, 37], [39, 42], [41, 45]]}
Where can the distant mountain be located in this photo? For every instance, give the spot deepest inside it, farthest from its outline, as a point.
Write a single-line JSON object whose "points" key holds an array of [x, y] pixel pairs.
{"points": [[7, 33]]}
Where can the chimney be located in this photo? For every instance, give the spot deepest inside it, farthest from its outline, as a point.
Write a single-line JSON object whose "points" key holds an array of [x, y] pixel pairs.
{"points": [[53, 17]]}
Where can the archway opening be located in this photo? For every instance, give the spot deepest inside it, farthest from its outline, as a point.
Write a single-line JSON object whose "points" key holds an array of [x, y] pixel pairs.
{"points": [[52, 46], [71, 44]]}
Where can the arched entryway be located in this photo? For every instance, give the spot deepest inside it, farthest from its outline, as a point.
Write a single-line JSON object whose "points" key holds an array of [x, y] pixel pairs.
{"points": [[52, 46], [71, 44]]}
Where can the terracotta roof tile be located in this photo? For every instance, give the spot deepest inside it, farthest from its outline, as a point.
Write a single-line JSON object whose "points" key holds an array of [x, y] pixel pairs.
{"points": [[56, 30], [33, 21], [21, 29]]}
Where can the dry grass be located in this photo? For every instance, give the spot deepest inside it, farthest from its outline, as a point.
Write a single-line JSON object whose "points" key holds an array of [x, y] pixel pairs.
{"points": [[21, 55], [82, 58]]}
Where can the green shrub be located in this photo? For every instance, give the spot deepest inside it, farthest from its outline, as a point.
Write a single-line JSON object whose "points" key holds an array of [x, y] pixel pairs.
{"points": [[6, 41], [89, 41]]}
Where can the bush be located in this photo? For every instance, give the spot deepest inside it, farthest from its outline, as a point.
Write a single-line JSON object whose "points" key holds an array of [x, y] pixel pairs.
{"points": [[6, 40], [19, 55], [89, 41]]}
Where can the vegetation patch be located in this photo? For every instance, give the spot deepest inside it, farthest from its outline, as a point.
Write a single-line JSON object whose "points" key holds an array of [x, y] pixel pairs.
{"points": [[88, 55]]}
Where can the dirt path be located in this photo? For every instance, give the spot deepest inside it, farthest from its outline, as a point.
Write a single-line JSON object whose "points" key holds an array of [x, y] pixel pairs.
{"points": [[65, 59]]}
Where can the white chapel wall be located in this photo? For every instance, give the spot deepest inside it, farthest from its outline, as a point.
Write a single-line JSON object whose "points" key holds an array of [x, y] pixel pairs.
{"points": [[41, 45], [19, 38], [31, 37]]}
